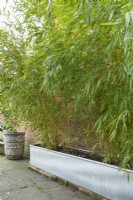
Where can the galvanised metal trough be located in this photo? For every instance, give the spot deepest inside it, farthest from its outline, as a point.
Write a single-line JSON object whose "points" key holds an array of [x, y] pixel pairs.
{"points": [[106, 180]]}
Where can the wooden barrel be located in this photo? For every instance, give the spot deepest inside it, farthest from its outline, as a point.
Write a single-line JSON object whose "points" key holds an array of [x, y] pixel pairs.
{"points": [[14, 145]]}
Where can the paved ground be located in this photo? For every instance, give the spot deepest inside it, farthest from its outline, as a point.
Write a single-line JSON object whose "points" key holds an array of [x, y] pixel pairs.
{"points": [[17, 182]]}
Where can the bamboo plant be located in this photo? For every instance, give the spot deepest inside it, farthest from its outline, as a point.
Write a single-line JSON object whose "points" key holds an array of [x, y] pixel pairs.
{"points": [[76, 54]]}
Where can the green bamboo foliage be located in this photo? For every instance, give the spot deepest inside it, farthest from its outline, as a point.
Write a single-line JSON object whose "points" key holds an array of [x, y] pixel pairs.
{"points": [[76, 53]]}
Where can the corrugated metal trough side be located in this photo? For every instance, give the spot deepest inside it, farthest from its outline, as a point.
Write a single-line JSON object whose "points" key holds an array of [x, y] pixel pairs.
{"points": [[106, 180]]}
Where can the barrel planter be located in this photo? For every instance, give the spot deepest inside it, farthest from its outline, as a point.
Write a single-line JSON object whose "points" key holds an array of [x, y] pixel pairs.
{"points": [[14, 145], [106, 180]]}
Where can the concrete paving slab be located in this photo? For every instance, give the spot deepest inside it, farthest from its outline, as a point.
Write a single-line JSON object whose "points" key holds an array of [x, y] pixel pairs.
{"points": [[17, 182], [62, 193], [47, 184], [31, 193]]}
